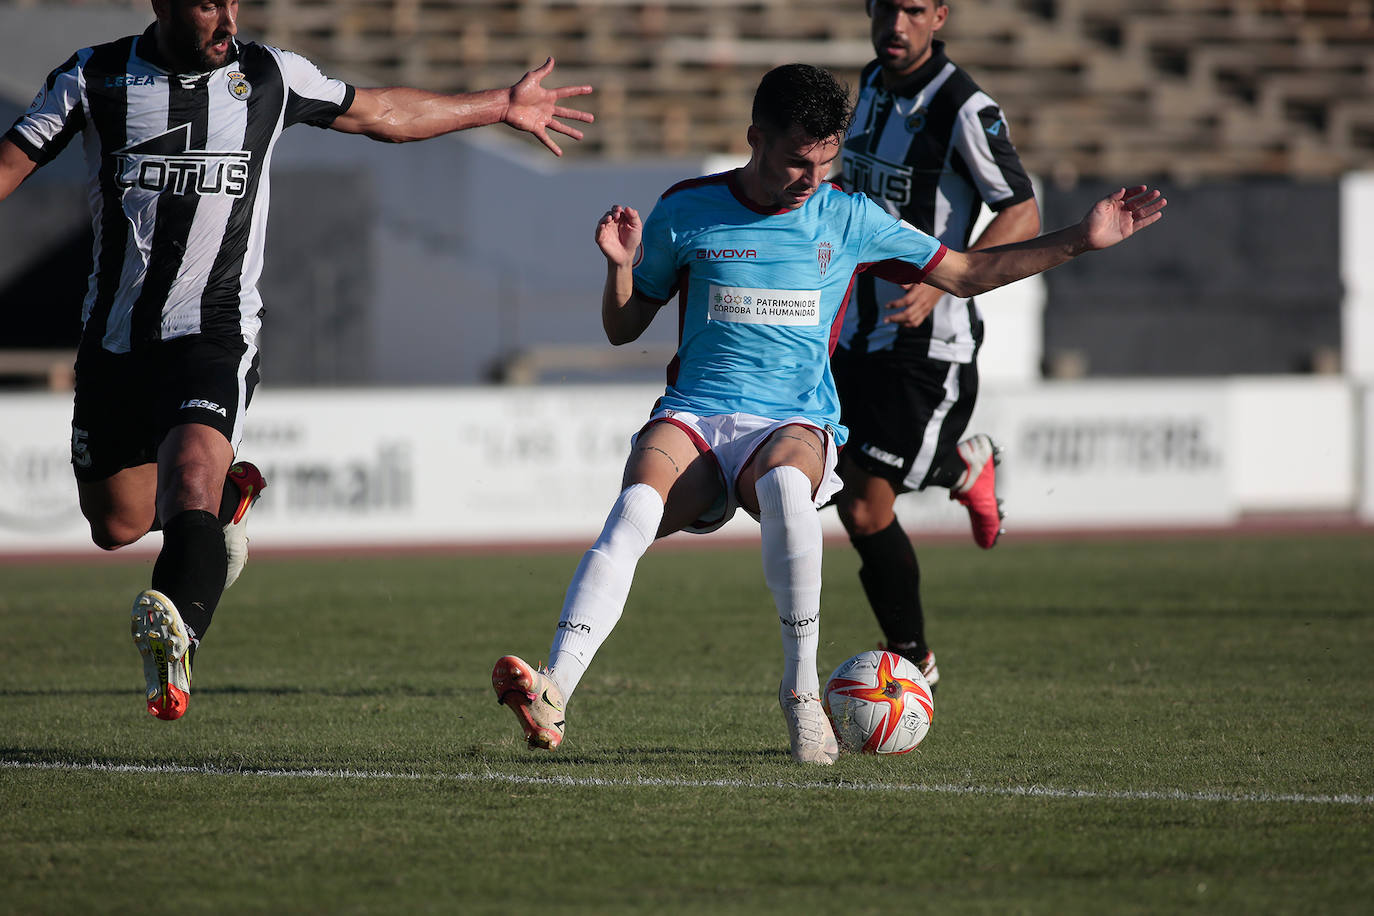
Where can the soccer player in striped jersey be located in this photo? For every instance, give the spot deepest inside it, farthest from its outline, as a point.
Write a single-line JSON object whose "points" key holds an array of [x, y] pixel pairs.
{"points": [[178, 126], [760, 262], [931, 148]]}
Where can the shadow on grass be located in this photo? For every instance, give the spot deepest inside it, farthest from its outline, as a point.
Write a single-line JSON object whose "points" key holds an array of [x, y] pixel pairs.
{"points": [[267, 691], [473, 761]]}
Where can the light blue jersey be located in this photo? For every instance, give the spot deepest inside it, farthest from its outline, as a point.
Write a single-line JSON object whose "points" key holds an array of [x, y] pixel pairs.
{"points": [[762, 295]]}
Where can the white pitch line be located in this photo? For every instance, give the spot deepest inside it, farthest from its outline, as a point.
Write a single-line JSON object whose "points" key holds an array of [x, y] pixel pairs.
{"points": [[680, 783]]}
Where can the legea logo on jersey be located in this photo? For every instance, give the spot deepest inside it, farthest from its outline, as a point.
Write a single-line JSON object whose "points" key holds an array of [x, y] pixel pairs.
{"points": [[787, 307], [877, 178], [130, 79], [204, 405], [167, 163]]}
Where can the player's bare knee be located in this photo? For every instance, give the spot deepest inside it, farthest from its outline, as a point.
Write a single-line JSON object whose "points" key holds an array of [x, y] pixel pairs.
{"points": [[862, 518], [112, 534]]}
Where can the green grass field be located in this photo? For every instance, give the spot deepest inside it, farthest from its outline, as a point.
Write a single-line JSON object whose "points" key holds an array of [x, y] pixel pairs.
{"points": [[1123, 726]]}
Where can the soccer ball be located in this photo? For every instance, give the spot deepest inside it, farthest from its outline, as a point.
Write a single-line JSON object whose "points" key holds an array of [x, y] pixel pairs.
{"points": [[879, 703]]}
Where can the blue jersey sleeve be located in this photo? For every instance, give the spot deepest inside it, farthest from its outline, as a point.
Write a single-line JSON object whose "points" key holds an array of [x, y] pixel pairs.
{"points": [[656, 270], [887, 239]]}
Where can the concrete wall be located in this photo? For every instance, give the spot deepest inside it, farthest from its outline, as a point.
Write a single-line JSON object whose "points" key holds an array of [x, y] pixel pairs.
{"points": [[513, 464]]}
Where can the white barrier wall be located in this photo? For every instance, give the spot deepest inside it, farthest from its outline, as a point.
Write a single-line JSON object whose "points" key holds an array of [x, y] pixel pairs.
{"points": [[1366, 489], [424, 466]]}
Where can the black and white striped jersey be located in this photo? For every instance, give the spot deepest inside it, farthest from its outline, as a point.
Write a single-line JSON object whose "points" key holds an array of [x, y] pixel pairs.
{"points": [[932, 151], [178, 179]]}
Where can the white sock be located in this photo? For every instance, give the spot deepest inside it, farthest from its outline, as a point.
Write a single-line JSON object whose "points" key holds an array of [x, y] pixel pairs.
{"points": [[596, 596], [791, 530]]}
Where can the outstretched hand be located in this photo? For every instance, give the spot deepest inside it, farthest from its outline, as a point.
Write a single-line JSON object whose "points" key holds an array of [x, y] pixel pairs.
{"points": [[535, 109], [1119, 216], [618, 234]]}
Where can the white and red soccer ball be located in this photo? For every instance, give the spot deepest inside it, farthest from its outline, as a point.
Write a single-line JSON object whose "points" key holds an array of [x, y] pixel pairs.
{"points": [[879, 703]]}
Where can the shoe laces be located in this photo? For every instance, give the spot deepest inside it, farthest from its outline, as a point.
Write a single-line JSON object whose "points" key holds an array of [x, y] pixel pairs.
{"points": [[808, 719]]}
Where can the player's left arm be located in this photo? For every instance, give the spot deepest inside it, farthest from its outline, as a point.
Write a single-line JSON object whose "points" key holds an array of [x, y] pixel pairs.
{"points": [[1112, 220], [401, 114], [1015, 223], [15, 166]]}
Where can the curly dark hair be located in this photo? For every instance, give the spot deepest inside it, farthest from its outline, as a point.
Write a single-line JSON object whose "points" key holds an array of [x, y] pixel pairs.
{"points": [[800, 95]]}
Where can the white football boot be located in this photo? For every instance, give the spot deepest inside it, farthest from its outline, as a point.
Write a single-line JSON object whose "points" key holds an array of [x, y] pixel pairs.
{"points": [[249, 480], [808, 728], [161, 639]]}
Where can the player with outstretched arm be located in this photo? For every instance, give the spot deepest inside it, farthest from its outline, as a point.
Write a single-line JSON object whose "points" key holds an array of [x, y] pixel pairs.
{"points": [[760, 261], [178, 126]]}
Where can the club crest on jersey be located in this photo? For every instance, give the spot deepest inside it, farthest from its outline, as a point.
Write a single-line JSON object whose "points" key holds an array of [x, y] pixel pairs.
{"points": [[916, 121], [823, 253], [239, 87]]}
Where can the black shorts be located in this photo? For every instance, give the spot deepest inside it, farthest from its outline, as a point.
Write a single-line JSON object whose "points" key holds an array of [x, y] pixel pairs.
{"points": [[905, 415], [126, 403]]}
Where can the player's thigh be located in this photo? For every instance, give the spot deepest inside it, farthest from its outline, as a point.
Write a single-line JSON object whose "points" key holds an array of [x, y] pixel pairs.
{"points": [[797, 446], [193, 460], [205, 380], [114, 445], [204, 385], [905, 415], [665, 457]]}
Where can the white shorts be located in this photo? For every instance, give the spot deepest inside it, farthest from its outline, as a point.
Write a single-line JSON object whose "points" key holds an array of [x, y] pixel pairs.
{"points": [[731, 440]]}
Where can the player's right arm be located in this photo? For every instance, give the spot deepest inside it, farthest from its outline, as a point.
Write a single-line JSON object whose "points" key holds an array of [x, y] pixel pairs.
{"points": [[400, 114], [624, 313], [15, 166]]}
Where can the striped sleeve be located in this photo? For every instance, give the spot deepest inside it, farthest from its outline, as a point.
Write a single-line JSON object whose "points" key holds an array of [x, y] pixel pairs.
{"points": [[56, 113], [311, 98], [983, 139]]}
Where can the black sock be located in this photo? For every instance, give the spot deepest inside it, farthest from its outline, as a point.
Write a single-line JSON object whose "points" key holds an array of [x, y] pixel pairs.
{"points": [[891, 579], [229, 502], [947, 473], [191, 567]]}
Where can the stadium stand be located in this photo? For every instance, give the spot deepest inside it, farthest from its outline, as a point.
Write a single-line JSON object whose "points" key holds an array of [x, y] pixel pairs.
{"points": [[1187, 88], [1256, 107], [1190, 89]]}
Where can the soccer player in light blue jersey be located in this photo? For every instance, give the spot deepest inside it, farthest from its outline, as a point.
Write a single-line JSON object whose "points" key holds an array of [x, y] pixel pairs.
{"points": [[760, 262]]}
